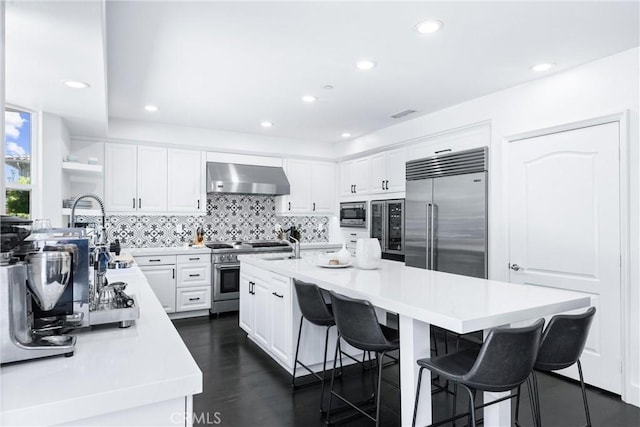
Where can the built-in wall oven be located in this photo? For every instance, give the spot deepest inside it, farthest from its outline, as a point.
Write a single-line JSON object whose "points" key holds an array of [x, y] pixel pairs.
{"points": [[353, 214], [226, 270]]}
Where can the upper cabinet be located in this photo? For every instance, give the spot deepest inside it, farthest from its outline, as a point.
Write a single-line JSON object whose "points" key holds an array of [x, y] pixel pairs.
{"points": [[388, 171], [312, 187], [152, 179], [185, 181], [355, 177]]}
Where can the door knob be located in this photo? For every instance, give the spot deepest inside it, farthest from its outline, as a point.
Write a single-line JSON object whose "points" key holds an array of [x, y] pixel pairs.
{"points": [[515, 267]]}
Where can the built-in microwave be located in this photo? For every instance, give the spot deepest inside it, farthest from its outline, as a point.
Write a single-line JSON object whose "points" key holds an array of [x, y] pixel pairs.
{"points": [[353, 214]]}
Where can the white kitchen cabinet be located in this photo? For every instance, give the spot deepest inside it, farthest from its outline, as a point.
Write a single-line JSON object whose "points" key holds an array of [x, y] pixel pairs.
{"points": [[355, 176], [388, 171], [120, 166], [184, 184], [312, 187], [247, 303], [351, 236], [162, 279], [459, 140], [135, 178], [280, 314], [262, 307], [194, 298]]}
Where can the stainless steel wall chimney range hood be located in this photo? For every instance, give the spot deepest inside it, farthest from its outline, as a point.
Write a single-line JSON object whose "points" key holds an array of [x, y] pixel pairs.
{"points": [[246, 179]]}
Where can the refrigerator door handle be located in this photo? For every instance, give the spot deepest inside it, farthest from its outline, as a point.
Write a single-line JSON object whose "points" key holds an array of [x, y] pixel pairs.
{"points": [[427, 236], [433, 233]]}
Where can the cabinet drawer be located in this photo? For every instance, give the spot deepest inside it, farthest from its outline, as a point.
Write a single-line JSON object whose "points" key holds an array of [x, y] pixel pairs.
{"points": [[188, 299], [155, 260], [194, 259], [194, 275]]}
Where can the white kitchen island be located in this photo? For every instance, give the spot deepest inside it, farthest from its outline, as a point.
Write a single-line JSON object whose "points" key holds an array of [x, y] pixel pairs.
{"points": [[421, 298], [141, 375]]}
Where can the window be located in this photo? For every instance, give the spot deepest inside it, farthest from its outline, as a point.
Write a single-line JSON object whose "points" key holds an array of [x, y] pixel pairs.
{"points": [[17, 162]]}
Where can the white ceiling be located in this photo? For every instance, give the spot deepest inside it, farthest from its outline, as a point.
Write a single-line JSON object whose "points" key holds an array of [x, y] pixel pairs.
{"points": [[231, 65]]}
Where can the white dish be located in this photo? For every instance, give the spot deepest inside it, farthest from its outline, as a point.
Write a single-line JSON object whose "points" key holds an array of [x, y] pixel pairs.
{"points": [[335, 266]]}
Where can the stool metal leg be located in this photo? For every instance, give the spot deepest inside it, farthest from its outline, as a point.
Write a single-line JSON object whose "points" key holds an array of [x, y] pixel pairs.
{"points": [[584, 395], [324, 368], [379, 357], [295, 361], [472, 405], [415, 406], [333, 377], [518, 406]]}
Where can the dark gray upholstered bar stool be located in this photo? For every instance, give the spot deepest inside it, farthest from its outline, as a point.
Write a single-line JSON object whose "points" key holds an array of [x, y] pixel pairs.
{"points": [[358, 325], [505, 362], [317, 312], [562, 344]]}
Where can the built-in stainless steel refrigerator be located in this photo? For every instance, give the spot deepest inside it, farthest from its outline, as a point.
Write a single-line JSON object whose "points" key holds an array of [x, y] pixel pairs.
{"points": [[446, 213], [387, 225]]}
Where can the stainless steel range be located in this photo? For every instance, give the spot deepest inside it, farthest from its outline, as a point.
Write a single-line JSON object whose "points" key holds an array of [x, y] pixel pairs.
{"points": [[226, 269]]}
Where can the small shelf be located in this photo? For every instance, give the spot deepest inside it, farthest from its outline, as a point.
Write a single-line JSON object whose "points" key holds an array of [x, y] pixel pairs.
{"points": [[81, 168], [86, 212]]}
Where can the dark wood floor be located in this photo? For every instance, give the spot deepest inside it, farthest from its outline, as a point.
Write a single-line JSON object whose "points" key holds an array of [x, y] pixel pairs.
{"points": [[244, 387]]}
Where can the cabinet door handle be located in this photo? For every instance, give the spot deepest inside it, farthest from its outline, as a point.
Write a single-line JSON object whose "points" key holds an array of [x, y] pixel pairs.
{"points": [[251, 285], [443, 151], [194, 275], [134, 203], [278, 295], [173, 273], [352, 190], [139, 203], [355, 188], [314, 206], [194, 259], [386, 184], [289, 205], [198, 203], [155, 260], [194, 299], [353, 241], [383, 184], [352, 234]]}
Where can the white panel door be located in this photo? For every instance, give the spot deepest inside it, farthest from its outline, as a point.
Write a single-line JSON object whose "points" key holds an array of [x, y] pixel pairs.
{"points": [[299, 175], [346, 181], [152, 179], [564, 228], [395, 165], [378, 172], [120, 168], [261, 325], [361, 175], [184, 181], [162, 279], [323, 183]]}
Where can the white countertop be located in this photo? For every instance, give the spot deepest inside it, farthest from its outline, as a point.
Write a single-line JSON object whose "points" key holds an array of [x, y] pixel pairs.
{"points": [[458, 303], [112, 369], [177, 250]]}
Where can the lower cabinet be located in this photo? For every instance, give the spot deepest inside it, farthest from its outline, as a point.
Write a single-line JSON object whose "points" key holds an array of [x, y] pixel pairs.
{"points": [[270, 314], [162, 279], [182, 283]]}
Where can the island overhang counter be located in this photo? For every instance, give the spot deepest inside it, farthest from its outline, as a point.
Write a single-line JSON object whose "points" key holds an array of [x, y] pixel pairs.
{"points": [[422, 298]]}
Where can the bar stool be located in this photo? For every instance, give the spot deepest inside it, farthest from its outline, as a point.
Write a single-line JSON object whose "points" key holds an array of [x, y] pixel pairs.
{"points": [[505, 362], [358, 325], [317, 312], [562, 344]]}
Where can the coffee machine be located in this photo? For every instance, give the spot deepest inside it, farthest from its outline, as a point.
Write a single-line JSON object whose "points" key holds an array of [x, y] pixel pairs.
{"points": [[44, 292]]}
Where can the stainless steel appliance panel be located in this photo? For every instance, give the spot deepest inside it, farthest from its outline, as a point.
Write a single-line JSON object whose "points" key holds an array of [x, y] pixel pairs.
{"points": [[419, 194], [387, 225], [353, 214], [460, 224]]}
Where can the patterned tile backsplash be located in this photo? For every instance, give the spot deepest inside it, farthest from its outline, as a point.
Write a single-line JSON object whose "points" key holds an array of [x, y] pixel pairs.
{"points": [[229, 217]]}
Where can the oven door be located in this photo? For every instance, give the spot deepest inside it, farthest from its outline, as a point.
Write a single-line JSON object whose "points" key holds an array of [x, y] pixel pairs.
{"points": [[226, 281]]}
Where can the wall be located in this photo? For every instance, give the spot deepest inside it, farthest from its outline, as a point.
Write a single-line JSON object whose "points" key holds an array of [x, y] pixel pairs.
{"points": [[215, 140], [54, 147], [600, 88], [2, 101], [229, 217]]}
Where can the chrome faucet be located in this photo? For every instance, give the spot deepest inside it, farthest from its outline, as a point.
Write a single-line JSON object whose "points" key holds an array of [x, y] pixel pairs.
{"points": [[102, 237], [295, 246]]}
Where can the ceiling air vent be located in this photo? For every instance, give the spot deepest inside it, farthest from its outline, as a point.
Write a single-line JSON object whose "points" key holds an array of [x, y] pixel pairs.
{"points": [[402, 113]]}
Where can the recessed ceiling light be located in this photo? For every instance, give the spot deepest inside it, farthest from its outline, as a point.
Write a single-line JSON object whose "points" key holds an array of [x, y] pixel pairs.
{"points": [[346, 135], [543, 67], [365, 64], [429, 27], [151, 108], [309, 98], [75, 84], [266, 124], [327, 87]]}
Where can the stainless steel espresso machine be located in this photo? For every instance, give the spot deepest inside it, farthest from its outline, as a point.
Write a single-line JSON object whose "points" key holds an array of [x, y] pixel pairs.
{"points": [[43, 293]]}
